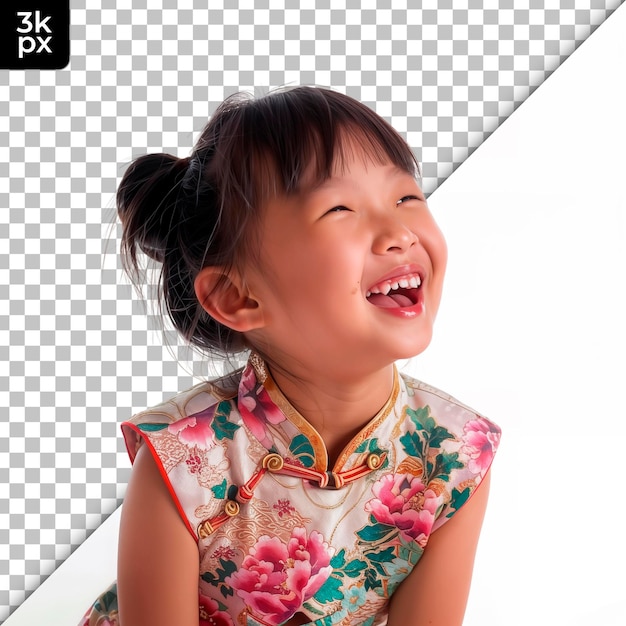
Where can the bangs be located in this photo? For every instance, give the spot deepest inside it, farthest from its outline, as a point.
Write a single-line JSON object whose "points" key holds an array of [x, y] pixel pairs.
{"points": [[295, 138]]}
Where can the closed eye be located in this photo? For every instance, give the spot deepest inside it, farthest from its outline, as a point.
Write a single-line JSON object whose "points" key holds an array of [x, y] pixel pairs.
{"points": [[406, 199], [337, 209]]}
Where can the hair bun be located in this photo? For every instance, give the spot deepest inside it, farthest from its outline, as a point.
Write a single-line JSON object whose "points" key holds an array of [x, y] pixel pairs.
{"points": [[148, 202]]}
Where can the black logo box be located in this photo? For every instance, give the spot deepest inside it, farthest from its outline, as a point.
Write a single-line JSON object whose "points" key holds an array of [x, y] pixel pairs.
{"points": [[34, 35]]}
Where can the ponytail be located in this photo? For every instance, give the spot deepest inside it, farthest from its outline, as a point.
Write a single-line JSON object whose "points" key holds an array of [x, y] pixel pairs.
{"points": [[170, 212], [148, 204]]}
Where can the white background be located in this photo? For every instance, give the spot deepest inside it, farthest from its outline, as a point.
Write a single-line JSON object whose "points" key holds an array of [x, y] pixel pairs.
{"points": [[531, 333]]}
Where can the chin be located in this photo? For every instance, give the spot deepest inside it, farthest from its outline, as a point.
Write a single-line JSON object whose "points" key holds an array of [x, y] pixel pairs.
{"points": [[414, 348]]}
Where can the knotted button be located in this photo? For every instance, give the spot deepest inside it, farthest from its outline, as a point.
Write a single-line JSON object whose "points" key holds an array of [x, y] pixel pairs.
{"points": [[373, 461], [273, 462], [231, 508]]}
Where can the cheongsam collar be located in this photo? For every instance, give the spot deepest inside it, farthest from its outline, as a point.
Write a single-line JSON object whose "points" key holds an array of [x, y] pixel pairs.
{"points": [[258, 390]]}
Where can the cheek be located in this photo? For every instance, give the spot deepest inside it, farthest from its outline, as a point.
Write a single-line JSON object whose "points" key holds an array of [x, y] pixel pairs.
{"points": [[291, 276], [433, 241], [442, 250], [436, 247]]}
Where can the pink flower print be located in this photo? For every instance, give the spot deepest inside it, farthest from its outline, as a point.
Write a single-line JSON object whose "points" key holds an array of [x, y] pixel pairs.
{"points": [[403, 501], [294, 461], [256, 407], [480, 440], [276, 579], [194, 463], [210, 615], [284, 508], [223, 552], [195, 430]]}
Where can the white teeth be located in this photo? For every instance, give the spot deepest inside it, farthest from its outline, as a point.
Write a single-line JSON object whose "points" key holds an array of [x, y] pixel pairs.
{"points": [[384, 289], [412, 282]]}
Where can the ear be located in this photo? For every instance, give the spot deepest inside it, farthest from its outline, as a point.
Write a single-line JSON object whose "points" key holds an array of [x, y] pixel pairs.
{"points": [[223, 295]]}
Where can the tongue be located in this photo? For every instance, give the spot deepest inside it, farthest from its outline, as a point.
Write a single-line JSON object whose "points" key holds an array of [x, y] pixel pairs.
{"points": [[390, 301]]}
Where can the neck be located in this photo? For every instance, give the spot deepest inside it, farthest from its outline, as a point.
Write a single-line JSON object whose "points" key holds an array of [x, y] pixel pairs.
{"points": [[338, 407]]}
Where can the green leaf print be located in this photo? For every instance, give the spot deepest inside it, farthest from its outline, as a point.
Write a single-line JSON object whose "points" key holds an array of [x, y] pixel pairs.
{"points": [[219, 491], [438, 435], [371, 580], [370, 445], [364, 446], [381, 556], [458, 499], [413, 445], [151, 428], [378, 567], [330, 590], [228, 566], [378, 559], [221, 573], [222, 428], [301, 449], [354, 568], [421, 418], [444, 463], [309, 606], [375, 531], [107, 602], [339, 560], [433, 435], [374, 447], [410, 552]]}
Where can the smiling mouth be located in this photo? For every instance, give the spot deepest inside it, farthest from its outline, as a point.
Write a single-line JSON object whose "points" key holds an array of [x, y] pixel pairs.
{"points": [[396, 293]]}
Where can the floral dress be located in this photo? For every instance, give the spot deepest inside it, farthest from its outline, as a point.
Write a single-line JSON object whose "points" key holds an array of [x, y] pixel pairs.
{"points": [[281, 533]]}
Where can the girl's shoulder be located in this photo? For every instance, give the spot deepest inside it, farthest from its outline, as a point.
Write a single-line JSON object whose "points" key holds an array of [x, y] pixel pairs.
{"points": [[188, 417], [197, 399], [449, 444], [421, 395], [416, 386]]}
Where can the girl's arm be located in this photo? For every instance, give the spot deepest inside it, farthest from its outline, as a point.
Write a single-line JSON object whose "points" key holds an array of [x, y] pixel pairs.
{"points": [[436, 591], [158, 565]]}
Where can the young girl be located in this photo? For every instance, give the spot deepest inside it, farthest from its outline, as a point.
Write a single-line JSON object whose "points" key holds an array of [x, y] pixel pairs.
{"points": [[317, 485]]}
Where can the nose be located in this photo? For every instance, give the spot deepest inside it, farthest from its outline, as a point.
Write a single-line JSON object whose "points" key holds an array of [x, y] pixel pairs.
{"points": [[393, 236]]}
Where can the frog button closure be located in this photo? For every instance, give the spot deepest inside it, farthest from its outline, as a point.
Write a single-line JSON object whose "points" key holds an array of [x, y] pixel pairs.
{"points": [[273, 462], [373, 461]]}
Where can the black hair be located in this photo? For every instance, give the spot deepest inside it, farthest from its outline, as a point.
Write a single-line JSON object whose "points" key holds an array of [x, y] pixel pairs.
{"points": [[198, 211]]}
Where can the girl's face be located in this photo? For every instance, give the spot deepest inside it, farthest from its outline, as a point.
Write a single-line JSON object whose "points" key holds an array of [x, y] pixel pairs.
{"points": [[350, 272]]}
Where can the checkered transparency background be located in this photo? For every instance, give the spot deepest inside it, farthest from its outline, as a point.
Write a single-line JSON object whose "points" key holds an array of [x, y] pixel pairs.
{"points": [[78, 352]]}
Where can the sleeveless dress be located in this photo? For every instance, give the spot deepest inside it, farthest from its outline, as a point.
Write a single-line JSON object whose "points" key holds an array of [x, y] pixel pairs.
{"points": [[281, 533]]}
